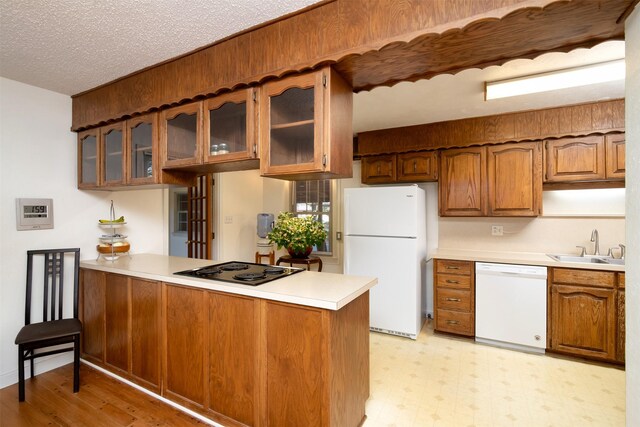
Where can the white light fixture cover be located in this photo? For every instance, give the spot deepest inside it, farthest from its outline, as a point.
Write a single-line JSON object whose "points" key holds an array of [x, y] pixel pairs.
{"points": [[554, 80]]}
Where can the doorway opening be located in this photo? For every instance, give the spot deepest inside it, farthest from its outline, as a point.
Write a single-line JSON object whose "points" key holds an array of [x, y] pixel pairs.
{"points": [[191, 231]]}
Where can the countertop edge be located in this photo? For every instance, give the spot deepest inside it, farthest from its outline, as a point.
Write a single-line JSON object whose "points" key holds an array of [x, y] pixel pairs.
{"points": [[280, 294], [528, 258]]}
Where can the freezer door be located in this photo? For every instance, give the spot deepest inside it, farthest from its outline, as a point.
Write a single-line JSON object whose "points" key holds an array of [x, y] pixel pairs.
{"points": [[395, 302], [384, 211]]}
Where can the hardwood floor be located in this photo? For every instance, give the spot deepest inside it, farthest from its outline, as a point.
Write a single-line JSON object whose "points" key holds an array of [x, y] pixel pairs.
{"points": [[101, 401]]}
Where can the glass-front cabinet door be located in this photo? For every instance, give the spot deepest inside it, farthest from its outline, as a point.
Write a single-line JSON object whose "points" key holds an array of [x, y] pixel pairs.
{"points": [[229, 123], [88, 165], [181, 135], [142, 156], [112, 153], [306, 129], [291, 124]]}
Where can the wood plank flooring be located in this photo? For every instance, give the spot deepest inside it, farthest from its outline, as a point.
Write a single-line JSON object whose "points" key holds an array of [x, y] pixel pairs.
{"points": [[101, 401]]}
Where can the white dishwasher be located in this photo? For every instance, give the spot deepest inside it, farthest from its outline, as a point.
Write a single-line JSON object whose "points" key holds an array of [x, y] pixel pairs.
{"points": [[511, 306]]}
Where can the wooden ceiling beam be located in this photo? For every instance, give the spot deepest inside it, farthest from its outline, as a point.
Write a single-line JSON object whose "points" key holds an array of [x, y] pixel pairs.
{"points": [[370, 42]]}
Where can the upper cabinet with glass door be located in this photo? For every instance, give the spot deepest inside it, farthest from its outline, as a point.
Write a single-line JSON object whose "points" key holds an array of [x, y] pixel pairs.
{"points": [[142, 159], [88, 164], [306, 127], [181, 135], [230, 141], [112, 154]]}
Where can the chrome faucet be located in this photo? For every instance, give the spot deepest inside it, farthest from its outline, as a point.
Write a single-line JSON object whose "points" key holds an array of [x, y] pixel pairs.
{"points": [[623, 249], [595, 238]]}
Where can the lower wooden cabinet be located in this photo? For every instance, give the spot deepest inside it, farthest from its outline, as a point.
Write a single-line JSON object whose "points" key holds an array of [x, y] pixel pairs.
{"points": [[117, 318], [454, 297], [145, 332], [121, 323], [294, 354], [235, 359], [91, 312], [585, 312], [620, 341], [584, 321], [184, 330]]}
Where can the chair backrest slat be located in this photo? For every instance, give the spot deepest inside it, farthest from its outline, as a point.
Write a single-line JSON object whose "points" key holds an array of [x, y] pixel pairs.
{"points": [[45, 305], [60, 284], [53, 283]]}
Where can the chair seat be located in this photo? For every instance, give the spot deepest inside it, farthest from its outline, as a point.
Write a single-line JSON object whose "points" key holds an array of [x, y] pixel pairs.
{"points": [[48, 330]]}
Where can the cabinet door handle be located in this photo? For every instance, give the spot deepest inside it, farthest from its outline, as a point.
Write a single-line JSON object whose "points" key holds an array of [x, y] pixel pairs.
{"points": [[452, 322], [451, 267], [378, 169], [451, 281], [415, 166], [453, 299]]}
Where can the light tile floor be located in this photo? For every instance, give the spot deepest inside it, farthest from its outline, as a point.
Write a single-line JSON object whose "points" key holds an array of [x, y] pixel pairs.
{"points": [[442, 381]]}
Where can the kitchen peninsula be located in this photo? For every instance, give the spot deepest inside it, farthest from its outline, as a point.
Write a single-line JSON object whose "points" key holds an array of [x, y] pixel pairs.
{"points": [[294, 351]]}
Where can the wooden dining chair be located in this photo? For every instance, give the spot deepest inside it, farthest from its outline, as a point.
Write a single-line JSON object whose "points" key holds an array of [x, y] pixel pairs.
{"points": [[54, 329]]}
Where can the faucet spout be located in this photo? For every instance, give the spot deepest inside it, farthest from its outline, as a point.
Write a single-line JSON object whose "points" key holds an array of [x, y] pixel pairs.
{"points": [[596, 239]]}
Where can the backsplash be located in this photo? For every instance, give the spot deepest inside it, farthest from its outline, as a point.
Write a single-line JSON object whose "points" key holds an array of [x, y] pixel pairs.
{"points": [[558, 235]]}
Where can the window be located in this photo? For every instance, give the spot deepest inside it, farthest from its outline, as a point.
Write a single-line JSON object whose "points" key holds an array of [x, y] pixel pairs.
{"points": [[181, 212], [313, 198]]}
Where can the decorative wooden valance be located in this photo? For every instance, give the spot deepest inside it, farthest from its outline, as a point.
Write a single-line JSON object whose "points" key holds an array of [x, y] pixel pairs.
{"points": [[574, 120], [369, 42]]}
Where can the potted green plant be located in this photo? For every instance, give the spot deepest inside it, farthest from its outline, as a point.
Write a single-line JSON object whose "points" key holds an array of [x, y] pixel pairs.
{"points": [[298, 235]]}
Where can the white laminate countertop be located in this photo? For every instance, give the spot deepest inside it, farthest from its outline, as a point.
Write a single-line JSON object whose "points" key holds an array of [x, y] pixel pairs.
{"points": [[309, 288], [526, 258]]}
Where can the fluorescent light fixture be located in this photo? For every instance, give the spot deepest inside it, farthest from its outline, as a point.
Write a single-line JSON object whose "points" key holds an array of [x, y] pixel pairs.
{"points": [[554, 80]]}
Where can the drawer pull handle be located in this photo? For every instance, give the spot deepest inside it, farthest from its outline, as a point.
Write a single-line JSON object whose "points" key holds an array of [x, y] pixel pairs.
{"points": [[451, 281], [450, 267], [452, 322], [453, 299]]}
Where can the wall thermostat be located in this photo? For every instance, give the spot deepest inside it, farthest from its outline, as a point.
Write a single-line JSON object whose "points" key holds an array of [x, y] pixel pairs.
{"points": [[34, 214]]}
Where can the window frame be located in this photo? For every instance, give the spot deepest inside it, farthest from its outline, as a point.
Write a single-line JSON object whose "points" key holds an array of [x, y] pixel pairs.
{"points": [[330, 213]]}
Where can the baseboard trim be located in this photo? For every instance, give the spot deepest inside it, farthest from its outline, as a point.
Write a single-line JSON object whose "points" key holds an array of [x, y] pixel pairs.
{"points": [[154, 395]]}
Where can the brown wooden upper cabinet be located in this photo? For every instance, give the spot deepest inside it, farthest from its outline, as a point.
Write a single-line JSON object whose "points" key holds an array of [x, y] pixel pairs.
{"points": [[181, 135], [112, 155], [306, 126], [496, 180], [615, 149], [463, 182], [141, 140], [585, 158], [406, 167], [230, 123], [416, 167], [88, 164], [515, 179], [379, 169]]}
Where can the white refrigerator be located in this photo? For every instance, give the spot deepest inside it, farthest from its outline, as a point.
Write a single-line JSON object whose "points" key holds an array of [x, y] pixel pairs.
{"points": [[385, 237]]}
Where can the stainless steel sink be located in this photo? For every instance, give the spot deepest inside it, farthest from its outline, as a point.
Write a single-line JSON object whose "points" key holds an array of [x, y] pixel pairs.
{"points": [[587, 259]]}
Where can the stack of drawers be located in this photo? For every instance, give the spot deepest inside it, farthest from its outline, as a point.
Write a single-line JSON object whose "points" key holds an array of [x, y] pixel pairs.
{"points": [[455, 297]]}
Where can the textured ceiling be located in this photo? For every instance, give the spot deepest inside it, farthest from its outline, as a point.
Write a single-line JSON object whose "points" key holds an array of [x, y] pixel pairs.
{"points": [[69, 46]]}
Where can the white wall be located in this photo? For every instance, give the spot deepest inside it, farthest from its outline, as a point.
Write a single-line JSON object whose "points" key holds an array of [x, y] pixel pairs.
{"points": [[546, 235], [38, 159], [632, 113], [241, 197]]}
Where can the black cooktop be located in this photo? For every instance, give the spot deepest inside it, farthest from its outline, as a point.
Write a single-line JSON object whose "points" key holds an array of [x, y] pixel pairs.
{"points": [[245, 273]]}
